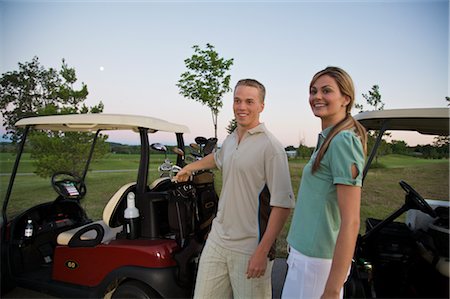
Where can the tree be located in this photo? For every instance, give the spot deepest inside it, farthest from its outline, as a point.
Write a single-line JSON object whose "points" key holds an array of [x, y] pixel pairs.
{"points": [[373, 98], [231, 126], [23, 93], [441, 141], [304, 152], [33, 91], [206, 80], [441, 144], [399, 147]]}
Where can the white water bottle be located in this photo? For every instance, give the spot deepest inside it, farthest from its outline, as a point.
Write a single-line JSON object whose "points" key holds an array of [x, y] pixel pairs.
{"points": [[131, 216], [29, 229]]}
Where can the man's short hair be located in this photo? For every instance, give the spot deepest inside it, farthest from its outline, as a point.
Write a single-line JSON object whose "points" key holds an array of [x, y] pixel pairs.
{"points": [[253, 83]]}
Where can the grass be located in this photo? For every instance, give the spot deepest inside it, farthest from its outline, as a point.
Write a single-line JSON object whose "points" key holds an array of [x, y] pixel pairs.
{"points": [[381, 193], [396, 161]]}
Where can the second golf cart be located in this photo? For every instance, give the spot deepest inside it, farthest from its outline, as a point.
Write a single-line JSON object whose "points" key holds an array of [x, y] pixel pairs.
{"points": [[404, 259]]}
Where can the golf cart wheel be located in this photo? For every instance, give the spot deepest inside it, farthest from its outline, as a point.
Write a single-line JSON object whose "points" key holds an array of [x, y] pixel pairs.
{"points": [[134, 289]]}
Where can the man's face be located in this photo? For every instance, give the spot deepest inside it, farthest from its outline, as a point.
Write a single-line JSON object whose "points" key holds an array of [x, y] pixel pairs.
{"points": [[247, 106]]}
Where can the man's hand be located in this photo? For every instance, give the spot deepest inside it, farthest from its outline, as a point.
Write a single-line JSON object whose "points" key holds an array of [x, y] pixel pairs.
{"points": [[186, 172], [257, 264], [183, 175]]}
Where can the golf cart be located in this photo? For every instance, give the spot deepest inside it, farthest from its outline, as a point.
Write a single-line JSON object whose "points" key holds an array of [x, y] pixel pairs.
{"points": [[148, 242], [408, 259]]}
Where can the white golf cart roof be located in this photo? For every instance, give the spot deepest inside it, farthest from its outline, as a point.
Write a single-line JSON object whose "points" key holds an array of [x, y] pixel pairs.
{"points": [[99, 121], [434, 121]]}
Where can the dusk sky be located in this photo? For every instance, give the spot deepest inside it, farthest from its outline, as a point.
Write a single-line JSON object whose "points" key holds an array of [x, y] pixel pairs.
{"points": [[131, 53]]}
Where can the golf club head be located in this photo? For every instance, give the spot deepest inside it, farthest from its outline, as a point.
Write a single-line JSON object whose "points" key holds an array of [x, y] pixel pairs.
{"points": [[196, 155], [210, 146], [175, 170], [165, 168], [200, 140], [190, 158], [158, 147], [195, 146], [178, 151]]}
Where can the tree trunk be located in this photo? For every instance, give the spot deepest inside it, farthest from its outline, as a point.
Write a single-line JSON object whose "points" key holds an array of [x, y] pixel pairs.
{"points": [[214, 118]]}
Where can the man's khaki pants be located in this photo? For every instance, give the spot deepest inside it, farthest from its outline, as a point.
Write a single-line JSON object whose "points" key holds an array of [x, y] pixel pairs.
{"points": [[222, 274]]}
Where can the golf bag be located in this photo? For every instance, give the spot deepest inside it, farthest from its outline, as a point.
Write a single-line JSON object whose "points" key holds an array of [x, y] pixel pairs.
{"points": [[182, 210], [192, 207], [207, 203]]}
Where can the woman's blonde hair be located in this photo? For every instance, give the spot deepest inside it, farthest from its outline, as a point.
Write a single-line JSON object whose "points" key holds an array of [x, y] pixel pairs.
{"points": [[346, 87]]}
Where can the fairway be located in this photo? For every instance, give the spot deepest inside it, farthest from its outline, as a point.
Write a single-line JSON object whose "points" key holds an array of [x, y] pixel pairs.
{"points": [[382, 193]]}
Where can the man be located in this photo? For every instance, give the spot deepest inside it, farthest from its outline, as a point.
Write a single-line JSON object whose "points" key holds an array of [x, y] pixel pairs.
{"points": [[254, 203]]}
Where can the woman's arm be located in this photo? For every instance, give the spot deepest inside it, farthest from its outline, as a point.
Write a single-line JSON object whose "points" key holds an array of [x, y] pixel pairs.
{"points": [[349, 200]]}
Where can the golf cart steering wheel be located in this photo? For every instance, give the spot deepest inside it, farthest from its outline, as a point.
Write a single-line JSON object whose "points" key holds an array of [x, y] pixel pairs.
{"points": [[416, 201], [68, 185]]}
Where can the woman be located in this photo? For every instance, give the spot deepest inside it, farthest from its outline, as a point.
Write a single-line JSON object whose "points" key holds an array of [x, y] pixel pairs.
{"points": [[325, 223]]}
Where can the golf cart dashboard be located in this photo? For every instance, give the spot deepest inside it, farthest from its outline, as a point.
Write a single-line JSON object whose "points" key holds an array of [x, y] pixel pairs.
{"points": [[49, 217], [33, 234]]}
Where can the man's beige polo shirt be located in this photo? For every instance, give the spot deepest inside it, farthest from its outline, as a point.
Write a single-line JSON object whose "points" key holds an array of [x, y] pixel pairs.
{"points": [[249, 169]]}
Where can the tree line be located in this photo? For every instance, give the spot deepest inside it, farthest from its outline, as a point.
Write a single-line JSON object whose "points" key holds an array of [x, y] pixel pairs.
{"points": [[436, 150]]}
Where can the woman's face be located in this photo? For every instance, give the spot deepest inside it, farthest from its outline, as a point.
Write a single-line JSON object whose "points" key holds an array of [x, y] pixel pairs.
{"points": [[327, 101]]}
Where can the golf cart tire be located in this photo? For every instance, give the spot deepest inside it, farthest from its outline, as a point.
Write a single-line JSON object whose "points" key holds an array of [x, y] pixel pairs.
{"points": [[6, 285], [134, 289], [354, 288]]}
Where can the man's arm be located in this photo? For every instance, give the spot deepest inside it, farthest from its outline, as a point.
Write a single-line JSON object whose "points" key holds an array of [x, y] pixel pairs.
{"points": [[207, 162], [258, 262]]}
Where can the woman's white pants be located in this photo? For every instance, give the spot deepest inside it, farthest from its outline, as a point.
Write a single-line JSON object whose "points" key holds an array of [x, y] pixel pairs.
{"points": [[306, 276]]}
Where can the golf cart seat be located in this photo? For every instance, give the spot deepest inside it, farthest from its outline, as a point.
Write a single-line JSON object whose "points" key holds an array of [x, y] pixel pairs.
{"points": [[101, 231], [160, 184]]}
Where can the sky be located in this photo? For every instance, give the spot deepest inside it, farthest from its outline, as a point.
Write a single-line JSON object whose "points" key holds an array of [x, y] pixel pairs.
{"points": [[131, 54]]}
